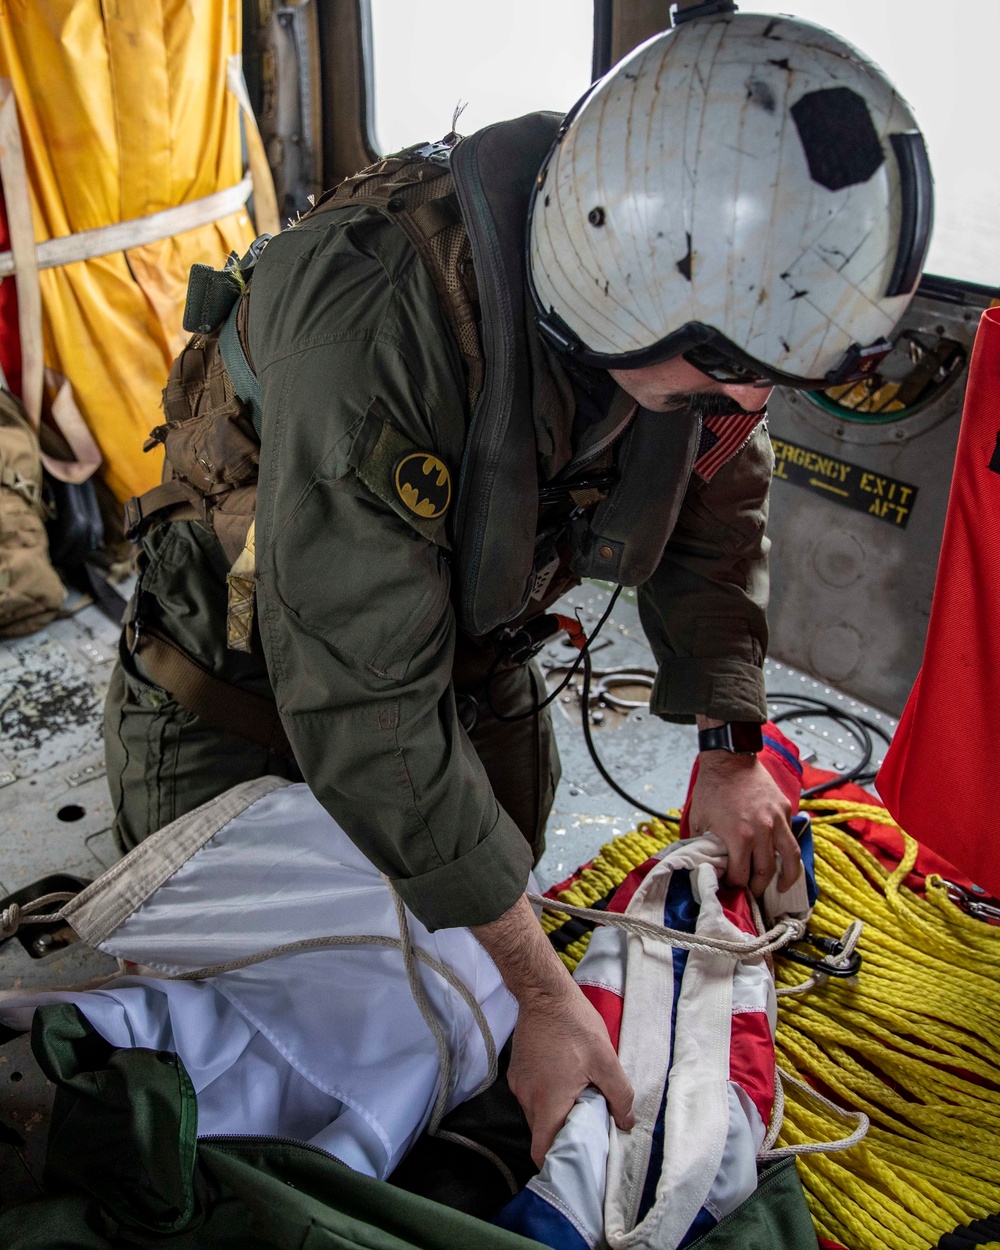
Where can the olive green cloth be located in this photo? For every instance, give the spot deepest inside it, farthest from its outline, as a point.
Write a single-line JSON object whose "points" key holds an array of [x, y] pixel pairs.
{"points": [[163, 761], [354, 593], [124, 1168], [704, 610]]}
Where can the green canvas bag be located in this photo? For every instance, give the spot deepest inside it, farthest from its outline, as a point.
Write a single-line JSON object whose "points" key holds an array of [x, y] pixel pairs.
{"points": [[125, 1168]]}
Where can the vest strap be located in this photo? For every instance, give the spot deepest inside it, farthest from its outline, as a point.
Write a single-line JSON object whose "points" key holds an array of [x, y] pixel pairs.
{"points": [[219, 703], [245, 382], [181, 501]]}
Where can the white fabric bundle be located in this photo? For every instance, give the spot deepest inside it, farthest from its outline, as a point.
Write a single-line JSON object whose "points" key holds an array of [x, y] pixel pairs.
{"points": [[326, 1046]]}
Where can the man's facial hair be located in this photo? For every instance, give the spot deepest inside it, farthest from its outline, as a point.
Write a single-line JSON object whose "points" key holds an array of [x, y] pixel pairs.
{"points": [[705, 404]]}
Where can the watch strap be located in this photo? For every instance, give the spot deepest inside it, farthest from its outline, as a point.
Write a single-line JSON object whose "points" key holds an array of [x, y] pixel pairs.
{"points": [[738, 737]]}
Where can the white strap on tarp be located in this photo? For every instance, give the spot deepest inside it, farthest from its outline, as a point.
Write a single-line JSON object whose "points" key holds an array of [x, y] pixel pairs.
{"points": [[14, 176], [696, 1123], [137, 231], [265, 199]]}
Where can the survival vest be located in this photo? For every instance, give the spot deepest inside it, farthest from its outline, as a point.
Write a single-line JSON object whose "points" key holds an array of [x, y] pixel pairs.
{"points": [[211, 436]]}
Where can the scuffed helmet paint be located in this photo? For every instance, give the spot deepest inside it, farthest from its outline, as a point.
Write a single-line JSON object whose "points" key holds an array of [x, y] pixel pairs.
{"points": [[748, 183]]}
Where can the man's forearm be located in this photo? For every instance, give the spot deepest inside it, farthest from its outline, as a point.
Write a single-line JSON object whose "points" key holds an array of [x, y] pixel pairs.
{"points": [[561, 1044], [523, 954]]}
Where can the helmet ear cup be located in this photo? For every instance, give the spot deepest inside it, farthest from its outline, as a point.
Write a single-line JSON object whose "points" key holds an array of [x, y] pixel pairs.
{"points": [[744, 181]]}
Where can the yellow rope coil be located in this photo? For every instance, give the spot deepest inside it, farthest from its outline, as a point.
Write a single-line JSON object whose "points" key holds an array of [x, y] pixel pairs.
{"points": [[912, 1043]]}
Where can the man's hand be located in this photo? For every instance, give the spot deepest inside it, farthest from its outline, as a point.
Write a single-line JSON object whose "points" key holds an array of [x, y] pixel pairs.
{"points": [[560, 1043], [736, 798]]}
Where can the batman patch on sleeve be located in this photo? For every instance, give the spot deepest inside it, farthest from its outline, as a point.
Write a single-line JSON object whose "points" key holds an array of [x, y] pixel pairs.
{"points": [[423, 484], [415, 484]]}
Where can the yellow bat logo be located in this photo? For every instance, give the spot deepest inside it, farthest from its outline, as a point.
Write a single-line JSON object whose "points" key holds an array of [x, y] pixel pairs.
{"points": [[423, 484]]}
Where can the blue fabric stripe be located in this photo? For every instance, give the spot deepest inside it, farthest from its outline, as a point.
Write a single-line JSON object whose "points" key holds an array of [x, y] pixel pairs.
{"points": [[784, 752], [531, 1216], [802, 828], [703, 1223], [680, 912]]}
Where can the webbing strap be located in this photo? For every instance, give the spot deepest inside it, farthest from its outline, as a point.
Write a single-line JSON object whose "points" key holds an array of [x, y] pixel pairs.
{"points": [[245, 382], [28, 489], [174, 496], [219, 703], [121, 236]]}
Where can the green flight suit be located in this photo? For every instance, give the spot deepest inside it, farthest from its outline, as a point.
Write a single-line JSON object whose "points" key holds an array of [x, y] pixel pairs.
{"points": [[354, 597]]}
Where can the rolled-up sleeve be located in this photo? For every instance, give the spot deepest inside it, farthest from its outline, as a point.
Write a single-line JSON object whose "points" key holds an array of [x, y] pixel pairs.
{"points": [[704, 610]]}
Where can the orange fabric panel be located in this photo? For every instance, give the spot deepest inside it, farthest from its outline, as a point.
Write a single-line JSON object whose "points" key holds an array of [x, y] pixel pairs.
{"points": [[124, 111]]}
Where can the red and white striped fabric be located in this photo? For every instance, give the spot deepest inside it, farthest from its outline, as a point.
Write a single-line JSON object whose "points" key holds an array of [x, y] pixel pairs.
{"points": [[695, 1033], [721, 439]]}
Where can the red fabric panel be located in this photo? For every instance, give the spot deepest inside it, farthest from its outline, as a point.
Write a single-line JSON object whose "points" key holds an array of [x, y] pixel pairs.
{"points": [[884, 842], [736, 908], [939, 773], [624, 894], [826, 1244], [10, 339], [751, 1059], [609, 1008]]}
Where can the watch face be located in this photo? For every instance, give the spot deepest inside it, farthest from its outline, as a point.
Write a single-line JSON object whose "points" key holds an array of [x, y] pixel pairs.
{"points": [[746, 736]]}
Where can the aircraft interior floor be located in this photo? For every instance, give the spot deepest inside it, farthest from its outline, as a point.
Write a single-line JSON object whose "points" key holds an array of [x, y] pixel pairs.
{"points": [[55, 813]]}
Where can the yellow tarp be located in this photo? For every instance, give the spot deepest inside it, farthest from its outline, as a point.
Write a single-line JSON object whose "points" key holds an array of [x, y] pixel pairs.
{"points": [[124, 111]]}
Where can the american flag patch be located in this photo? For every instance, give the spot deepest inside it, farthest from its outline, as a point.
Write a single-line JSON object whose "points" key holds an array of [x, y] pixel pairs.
{"points": [[721, 439]]}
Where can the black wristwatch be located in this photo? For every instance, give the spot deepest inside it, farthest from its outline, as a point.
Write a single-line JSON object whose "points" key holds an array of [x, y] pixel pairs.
{"points": [[742, 737]]}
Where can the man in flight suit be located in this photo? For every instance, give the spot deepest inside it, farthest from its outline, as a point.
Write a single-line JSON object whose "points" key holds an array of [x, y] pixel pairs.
{"points": [[451, 436]]}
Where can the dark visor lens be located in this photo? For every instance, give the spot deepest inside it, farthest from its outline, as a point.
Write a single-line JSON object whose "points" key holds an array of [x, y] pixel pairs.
{"points": [[722, 368]]}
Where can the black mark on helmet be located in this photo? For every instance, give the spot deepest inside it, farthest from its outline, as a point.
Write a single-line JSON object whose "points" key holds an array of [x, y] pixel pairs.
{"points": [[760, 93], [782, 64], [684, 264], [596, 216], [766, 32], [838, 137]]}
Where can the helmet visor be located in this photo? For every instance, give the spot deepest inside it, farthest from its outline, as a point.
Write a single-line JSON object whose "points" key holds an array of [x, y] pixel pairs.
{"points": [[714, 355]]}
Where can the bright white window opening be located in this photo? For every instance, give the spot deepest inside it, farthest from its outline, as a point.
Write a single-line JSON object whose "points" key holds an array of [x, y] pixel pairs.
{"points": [[942, 58], [508, 57], [501, 58]]}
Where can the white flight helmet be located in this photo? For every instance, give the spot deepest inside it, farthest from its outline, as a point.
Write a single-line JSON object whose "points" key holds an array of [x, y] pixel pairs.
{"points": [[747, 191]]}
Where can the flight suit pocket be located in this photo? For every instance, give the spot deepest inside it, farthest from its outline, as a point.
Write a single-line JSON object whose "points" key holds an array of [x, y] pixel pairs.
{"points": [[142, 731]]}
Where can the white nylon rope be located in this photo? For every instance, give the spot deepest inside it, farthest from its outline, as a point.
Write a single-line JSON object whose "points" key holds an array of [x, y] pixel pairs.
{"points": [[784, 932]]}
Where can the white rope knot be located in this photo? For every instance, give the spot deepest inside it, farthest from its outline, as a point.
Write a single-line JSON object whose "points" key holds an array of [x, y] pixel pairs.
{"points": [[10, 920]]}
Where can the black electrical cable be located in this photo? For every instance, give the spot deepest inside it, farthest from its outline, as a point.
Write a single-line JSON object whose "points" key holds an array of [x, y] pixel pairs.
{"points": [[589, 738], [859, 727], [540, 707]]}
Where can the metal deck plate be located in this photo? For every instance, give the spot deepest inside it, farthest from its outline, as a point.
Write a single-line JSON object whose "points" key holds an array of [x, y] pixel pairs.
{"points": [[55, 816]]}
